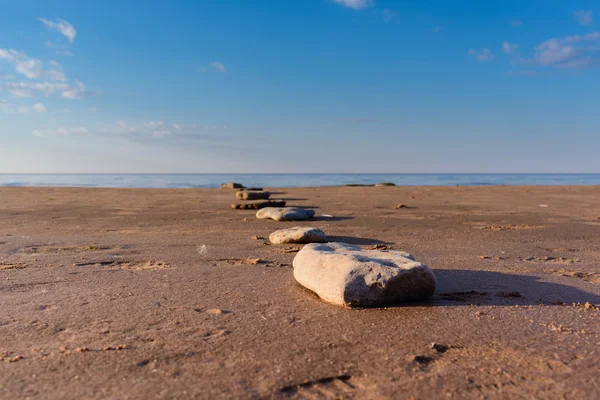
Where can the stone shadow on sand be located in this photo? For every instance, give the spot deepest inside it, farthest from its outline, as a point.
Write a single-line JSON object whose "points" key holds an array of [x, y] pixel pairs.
{"points": [[355, 240], [323, 218], [487, 288], [466, 287]]}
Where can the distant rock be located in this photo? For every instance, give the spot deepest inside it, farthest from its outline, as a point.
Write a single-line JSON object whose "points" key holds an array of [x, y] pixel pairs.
{"points": [[231, 185], [257, 205], [285, 214], [348, 276], [298, 235], [385, 184], [253, 189], [252, 195]]}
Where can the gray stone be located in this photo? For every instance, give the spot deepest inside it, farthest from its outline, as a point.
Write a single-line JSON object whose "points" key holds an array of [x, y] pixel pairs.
{"points": [[252, 195], [231, 185], [385, 184], [285, 214], [298, 234], [257, 205], [347, 276]]}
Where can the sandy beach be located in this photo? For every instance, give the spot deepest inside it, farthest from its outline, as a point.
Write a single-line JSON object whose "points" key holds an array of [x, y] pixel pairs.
{"points": [[159, 293]]}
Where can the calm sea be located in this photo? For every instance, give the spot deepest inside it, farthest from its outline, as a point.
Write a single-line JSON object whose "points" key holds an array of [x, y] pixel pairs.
{"points": [[292, 180]]}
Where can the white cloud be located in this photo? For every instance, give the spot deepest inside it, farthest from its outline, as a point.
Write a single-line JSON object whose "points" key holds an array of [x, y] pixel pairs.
{"points": [[485, 55], [9, 108], [32, 68], [65, 28], [564, 52], [217, 66], [388, 15], [39, 107], [355, 4], [28, 89], [509, 48], [75, 92], [61, 132], [584, 17]]}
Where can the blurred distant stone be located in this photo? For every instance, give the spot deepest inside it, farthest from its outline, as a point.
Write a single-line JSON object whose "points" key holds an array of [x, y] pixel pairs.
{"points": [[231, 185], [385, 184], [257, 205], [252, 195]]}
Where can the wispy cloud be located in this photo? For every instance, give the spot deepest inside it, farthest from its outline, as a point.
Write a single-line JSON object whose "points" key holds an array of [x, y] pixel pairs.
{"points": [[566, 53], [584, 17], [29, 89], [516, 22], [388, 15], [65, 28], [355, 4], [9, 108], [61, 132], [32, 68], [484, 55], [217, 66], [509, 48]]}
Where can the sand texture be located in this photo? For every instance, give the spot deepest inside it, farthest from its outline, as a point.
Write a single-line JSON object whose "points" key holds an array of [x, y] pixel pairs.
{"points": [[141, 293]]}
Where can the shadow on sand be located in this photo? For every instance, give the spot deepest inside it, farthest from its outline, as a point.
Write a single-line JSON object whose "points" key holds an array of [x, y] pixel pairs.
{"points": [[485, 288], [355, 240], [488, 288], [323, 218]]}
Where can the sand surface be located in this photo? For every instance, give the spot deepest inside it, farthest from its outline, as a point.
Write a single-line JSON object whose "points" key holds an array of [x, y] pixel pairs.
{"points": [[139, 293]]}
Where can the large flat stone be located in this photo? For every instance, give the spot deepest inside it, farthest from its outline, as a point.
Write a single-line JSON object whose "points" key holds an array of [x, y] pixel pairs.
{"points": [[285, 214], [298, 234], [348, 276]]}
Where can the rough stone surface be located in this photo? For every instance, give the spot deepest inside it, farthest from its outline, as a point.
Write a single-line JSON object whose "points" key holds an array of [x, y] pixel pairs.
{"points": [[298, 234], [285, 214], [347, 276], [231, 185], [252, 195], [257, 205]]}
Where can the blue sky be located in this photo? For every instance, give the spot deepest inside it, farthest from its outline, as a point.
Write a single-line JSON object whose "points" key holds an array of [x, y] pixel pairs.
{"points": [[299, 86]]}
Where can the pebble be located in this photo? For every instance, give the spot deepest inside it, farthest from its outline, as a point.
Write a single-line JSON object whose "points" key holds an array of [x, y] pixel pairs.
{"points": [[285, 214], [298, 234]]}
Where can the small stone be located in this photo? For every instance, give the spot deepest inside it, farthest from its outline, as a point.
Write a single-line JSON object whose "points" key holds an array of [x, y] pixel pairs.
{"points": [[257, 238], [346, 275], [440, 348], [485, 257], [385, 184], [285, 214], [298, 235], [252, 195], [214, 311], [257, 205], [399, 206], [231, 185]]}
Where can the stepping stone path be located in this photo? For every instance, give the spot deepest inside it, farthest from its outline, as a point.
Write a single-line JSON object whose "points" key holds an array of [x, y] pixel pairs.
{"points": [[231, 185], [257, 205], [252, 195], [348, 276], [298, 235], [285, 214]]}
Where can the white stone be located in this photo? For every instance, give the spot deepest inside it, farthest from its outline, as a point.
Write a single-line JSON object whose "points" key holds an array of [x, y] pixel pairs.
{"points": [[285, 214], [347, 276], [298, 234]]}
